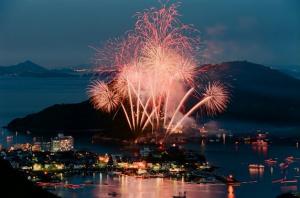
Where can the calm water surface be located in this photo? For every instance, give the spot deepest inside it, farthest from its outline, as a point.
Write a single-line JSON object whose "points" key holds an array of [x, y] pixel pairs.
{"points": [[229, 158], [20, 96]]}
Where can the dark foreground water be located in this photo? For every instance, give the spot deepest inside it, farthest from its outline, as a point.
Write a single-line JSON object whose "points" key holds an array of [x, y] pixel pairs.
{"points": [[20, 96]]}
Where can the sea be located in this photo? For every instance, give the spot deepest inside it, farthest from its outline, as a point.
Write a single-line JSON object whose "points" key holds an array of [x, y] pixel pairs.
{"points": [[20, 96]]}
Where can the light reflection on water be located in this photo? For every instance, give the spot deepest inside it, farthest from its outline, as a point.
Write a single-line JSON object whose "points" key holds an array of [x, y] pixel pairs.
{"points": [[131, 187], [230, 191], [232, 159]]}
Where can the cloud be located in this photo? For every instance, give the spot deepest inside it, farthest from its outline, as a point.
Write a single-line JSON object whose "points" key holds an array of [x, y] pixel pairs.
{"points": [[216, 30], [212, 52]]}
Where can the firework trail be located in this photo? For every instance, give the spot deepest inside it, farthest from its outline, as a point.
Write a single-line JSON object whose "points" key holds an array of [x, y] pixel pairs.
{"points": [[152, 73], [214, 100]]}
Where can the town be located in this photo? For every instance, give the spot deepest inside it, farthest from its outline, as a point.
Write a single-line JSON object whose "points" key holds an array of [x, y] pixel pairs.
{"points": [[49, 163]]}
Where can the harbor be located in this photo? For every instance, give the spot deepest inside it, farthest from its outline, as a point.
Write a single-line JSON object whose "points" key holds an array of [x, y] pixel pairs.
{"points": [[117, 171]]}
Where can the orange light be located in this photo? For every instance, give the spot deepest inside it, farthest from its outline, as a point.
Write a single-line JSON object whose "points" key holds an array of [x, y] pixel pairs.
{"points": [[103, 159], [230, 190]]}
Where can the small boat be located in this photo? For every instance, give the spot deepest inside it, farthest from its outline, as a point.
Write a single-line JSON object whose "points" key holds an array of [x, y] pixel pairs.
{"points": [[230, 180], [72, 186], [159, 175], [143, 176], [88, 182], [260, 143], [285, 181], [114, 173], [284, 165], [256, 166], [9, 138], [113, 194], [180, 195], [277, 181], [290, 159], [270, 162]]}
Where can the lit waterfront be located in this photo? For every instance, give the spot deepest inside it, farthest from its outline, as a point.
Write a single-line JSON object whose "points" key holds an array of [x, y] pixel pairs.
{"points": [[231, 158], [228, 157], [126, 186]]}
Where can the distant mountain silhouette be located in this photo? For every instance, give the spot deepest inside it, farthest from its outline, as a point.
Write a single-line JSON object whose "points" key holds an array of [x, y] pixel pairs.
{"points": [[72, 118], [292, 70], [258, 94], [30, 69]]}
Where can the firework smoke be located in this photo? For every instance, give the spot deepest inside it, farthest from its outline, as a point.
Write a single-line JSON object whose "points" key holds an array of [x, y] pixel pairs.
{"points": [[153, 73]]}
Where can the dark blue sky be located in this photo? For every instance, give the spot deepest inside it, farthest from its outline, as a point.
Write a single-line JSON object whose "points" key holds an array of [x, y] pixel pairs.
{"points": [[58, 32]]}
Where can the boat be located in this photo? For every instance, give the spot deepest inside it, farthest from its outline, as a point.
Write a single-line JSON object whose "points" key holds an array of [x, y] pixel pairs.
{"points": [[230, 180], [261, 143], [284, 165], [256, 166], [72, 186], [180, 195], [285, 181], [9, 138], [270, 162], [88, 182], [114, 173], [290, 159], [277, 180], [144, 176], [113, 194], [207, 180], [159, 175]]}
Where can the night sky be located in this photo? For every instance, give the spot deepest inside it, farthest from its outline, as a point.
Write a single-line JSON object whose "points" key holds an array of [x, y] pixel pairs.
{"points": [[59, 32]]}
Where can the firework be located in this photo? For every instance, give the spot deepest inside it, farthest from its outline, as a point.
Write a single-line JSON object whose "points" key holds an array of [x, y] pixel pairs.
{"points": [[214, 100], [217, 96], [153, 73], [102, 97]]}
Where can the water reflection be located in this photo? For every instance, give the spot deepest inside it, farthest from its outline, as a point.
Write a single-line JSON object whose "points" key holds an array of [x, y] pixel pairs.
{"points": [[271, 170], [292, 188], [258, 170], [231, 158], [230, 191], [260, 149], [128, 186]]}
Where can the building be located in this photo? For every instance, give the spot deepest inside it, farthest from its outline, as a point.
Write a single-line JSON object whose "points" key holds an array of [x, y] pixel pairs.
{"points": [[62, 143], [41, 146]]}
